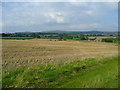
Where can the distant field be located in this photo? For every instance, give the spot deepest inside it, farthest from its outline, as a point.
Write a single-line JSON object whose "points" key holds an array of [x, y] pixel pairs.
{"points": [[100, 37], [43, 63], [16, 37]]}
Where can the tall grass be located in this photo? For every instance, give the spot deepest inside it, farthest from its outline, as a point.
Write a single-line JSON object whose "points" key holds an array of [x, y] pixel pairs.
{"points": [[88, 73]]}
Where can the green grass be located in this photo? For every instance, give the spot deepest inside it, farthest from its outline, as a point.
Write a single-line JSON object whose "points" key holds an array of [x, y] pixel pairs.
{"points": [[89, 73], [16, 37]]}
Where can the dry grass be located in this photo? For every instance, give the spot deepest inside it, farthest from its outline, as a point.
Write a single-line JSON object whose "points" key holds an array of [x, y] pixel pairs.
{"points": [[20, 53]]}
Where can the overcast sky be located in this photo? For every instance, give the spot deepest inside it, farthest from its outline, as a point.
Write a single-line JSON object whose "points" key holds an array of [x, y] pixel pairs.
{"points": [[65, 16]]}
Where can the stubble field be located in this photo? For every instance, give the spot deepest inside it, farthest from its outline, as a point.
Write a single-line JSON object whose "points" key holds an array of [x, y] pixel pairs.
{"points": [[24, 55]]}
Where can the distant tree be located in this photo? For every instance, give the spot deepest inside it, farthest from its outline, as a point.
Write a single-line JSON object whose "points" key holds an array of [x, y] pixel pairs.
{"points": [[77, 36], [34, 35], [4, 35], [82, 37], [60, 38], [38, 36]]}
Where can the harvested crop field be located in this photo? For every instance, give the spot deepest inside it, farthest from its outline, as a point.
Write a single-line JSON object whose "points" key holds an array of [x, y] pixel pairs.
{"points": [[59, 64], [18, 53], [101, 37]]}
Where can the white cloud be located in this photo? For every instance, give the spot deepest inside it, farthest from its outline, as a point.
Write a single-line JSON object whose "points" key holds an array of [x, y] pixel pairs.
{"points": [[54, 16]]}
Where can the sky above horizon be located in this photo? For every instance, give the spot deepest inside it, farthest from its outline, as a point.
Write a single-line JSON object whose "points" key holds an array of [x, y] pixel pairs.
{"points": [[64, 16]]}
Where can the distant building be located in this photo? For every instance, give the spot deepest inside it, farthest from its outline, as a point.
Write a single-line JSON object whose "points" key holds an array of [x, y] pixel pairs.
{"points": [[98, 40]]}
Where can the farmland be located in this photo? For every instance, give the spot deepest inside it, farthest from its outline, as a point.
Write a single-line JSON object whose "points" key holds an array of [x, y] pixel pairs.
{"points": [[59, 64], [101, 37], [16, 37]]}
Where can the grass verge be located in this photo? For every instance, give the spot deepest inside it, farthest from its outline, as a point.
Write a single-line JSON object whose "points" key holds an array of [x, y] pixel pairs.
{"points": [[89, 73]]}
